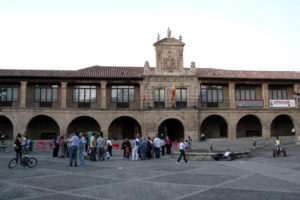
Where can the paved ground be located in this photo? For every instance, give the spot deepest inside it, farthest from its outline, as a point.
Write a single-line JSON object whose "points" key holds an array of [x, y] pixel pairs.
{"points": [[259, 177]]}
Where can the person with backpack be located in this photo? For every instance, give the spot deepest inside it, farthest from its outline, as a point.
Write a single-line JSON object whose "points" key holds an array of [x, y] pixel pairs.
{"points": [[136, 145]]}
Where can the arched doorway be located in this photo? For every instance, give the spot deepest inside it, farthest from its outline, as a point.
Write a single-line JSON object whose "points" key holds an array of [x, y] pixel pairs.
{"points": [[6, 127], [248, 126], [214, 126], [124, 127], [282, 125], [172, 128], [42, 127], [83, 124]]}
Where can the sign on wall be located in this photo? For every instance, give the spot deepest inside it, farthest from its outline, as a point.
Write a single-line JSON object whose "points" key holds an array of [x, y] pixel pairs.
{"points": [[282, 103]]}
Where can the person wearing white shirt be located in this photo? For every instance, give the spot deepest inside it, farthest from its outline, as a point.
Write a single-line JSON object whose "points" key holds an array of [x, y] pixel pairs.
{"points": [[73, 149], [182, 153], [136, 145], [109, 146], [227, 153], [157, 145]]}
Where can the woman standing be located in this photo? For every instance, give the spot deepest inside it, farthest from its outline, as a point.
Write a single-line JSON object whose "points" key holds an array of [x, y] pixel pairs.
{"points": [[168, 145]]}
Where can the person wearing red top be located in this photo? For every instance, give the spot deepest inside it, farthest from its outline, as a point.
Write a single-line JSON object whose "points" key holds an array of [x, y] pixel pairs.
{"points": [[168, 145]]}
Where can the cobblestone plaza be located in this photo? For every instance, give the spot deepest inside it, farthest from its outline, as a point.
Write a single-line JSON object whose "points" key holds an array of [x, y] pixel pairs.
{"points": [[258, 177]]}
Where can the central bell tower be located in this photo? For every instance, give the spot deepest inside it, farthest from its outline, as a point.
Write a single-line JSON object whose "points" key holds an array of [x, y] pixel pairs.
{"points": [[169, 54]]}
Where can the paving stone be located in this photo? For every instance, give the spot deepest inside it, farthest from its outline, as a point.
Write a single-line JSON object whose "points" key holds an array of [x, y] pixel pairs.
{"points": [[25, 172], [260, 182], [66, 182], [218, 168], [12, 191], [60, 197], [139, 190], [193, 179], [235, 194]]}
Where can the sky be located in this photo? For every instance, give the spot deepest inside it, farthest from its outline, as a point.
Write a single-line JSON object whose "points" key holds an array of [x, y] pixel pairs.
{"points": [[223, 34]]}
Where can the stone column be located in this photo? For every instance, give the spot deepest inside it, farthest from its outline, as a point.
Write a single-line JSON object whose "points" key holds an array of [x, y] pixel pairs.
{"points": [[142, 94], [103, 94], [266, 130], [232, 94], [265, 94], [63, 95], [296, 90], [23, 94]]}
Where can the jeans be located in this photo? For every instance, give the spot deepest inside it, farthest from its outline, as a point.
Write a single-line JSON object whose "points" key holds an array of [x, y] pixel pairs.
{"points": [[135, 155], [157, 152], [182, 153], [81, 155], [101, 153], [143, 154], [73, 155], [93, 153]]}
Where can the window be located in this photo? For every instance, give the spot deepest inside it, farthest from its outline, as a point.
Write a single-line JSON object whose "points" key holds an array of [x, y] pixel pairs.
{"points": [[180, 94], [277, 93], [122, 94], [46, 93], [84, 93], [211, 93], [9, 94], [159, 95], [245, 93]]}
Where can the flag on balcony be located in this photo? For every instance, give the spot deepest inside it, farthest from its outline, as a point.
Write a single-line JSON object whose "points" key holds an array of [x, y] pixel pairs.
{"points": [[173, 95]]}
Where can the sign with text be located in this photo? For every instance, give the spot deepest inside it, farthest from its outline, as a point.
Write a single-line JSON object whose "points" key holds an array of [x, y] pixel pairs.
{"points": [[249, 103], [282, 103]]}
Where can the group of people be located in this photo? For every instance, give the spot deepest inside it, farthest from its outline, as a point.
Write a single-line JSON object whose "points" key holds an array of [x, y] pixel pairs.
{"points": [[22, 145]]}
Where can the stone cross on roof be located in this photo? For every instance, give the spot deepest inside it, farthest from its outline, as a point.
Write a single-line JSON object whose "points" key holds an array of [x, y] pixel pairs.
{"points": [[169, 33]]}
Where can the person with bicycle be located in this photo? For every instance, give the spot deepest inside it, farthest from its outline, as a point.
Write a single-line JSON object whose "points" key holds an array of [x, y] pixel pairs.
{"points": [[18, 147]]}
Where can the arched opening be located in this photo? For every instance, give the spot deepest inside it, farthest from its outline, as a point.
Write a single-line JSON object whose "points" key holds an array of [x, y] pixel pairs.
{"points": [[6, 127], [83, 124], [172, 128], [248, 126], [124, 127], [42, 127], [282, 125], [214, 126]]}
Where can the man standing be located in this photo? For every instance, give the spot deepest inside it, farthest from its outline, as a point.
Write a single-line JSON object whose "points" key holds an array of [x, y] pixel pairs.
{"points": [[157, 145], [143, 149], [100, 143], [73, 149], [136, 145], [82, 142], [93, 147], [182, 153]]}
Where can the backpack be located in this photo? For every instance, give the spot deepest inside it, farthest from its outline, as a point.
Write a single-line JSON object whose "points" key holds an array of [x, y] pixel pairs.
{"points": [[137, 142]]}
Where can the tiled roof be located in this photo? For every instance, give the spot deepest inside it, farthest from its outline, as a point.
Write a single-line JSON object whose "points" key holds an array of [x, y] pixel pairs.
{"points": [[240, 74], [136, 72], [89, 72]]}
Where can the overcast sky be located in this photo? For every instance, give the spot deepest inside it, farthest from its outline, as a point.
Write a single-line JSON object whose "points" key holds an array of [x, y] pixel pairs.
{"points": [[73, 34]]}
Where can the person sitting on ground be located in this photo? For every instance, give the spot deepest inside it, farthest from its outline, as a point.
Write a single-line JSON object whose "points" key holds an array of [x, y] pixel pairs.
{"points": [[227, 153], [202, 137], [190, 141]]}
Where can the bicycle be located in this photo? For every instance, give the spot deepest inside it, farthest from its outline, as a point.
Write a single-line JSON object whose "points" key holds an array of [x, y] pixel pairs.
{"points": [[25, 161]]}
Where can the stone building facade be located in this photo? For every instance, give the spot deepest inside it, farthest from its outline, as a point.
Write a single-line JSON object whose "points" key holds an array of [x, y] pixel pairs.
{"points": [[123, 101]]}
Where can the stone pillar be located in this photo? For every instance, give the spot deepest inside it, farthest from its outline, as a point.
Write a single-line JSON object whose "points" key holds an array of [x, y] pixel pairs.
{"points": [[103, 94], [266, 130], [142, 94], [23, 94], [232, 94], [265, 94], [296, 90], [63, 95], [231, 131]]}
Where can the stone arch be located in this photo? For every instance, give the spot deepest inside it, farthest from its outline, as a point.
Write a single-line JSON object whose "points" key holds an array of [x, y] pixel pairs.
{"points": [[214, 126], [6, 127], [42, 127], [282, 125], [248, 126], [173, 128], [83, 124], [124, 127]]}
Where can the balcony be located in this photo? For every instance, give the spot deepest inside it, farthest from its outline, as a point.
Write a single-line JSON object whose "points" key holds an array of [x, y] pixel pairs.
{"points": [[223, 104], [167, 104], [249, 103], [6, 103]]}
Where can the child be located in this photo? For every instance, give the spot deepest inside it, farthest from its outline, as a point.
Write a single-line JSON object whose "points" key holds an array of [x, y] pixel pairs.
{"points": [[127, 152], [107, 156]]}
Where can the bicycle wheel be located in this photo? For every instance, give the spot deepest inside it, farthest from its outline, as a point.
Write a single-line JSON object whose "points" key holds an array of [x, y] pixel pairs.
{"points": [[12, 163], [32, 162]]}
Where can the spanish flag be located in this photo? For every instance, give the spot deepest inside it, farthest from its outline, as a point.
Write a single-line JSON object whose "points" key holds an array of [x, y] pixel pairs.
{"points": [[173, 95]]}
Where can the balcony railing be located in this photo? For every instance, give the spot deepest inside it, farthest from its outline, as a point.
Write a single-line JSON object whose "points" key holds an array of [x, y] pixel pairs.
{"points": [[249, 103]]}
